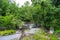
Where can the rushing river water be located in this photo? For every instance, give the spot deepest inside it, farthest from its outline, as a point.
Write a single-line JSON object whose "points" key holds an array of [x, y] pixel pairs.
{"points": [[17, 35]]}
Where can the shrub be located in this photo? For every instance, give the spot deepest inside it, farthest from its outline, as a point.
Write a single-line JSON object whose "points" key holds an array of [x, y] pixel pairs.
{"points": [[53, 37], [57, 31]]}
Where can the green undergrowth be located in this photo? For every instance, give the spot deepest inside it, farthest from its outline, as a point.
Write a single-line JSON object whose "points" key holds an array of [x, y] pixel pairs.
{"points": [[41, 35], [7, 32]]}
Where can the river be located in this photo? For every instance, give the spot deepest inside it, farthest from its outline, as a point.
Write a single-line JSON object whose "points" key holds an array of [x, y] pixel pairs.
{"points": [[17, 35]]}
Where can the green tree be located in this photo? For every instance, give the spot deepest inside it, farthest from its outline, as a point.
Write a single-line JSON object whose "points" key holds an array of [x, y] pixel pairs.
{"points": [[45, 14], [3, 7], [56, 2]]}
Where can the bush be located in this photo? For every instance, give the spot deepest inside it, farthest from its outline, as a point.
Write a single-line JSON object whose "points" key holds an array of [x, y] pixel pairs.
{"points": [[57, 31], [52, 37], [7, 32]]}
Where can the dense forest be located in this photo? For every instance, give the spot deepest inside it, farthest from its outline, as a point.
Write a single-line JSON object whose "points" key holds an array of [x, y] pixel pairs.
{"points": [[46, 13]]}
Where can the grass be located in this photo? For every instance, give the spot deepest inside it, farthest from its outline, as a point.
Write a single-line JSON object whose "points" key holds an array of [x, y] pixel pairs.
{"points": [[7, 32]]}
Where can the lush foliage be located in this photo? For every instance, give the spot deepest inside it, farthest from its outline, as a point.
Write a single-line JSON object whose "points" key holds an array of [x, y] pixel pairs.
{"points": [[46, 13]]}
